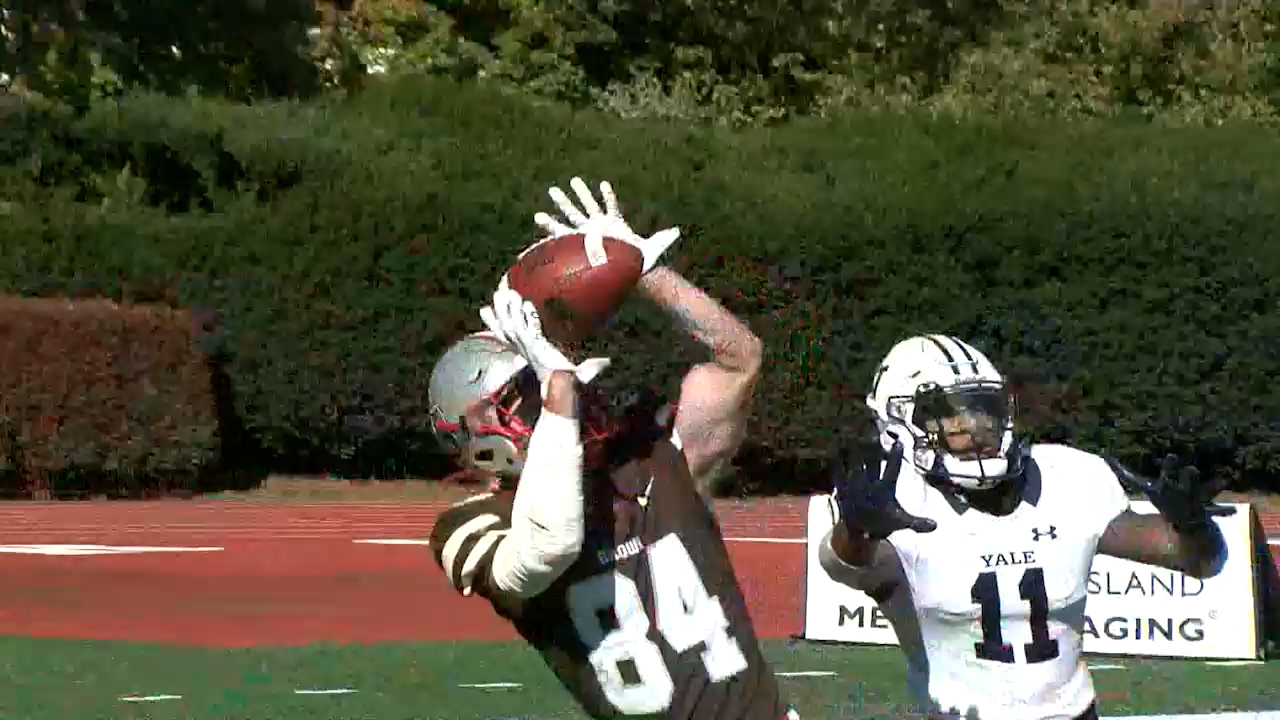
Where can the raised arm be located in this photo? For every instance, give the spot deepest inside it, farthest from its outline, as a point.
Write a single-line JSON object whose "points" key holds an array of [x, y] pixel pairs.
{"points": [[519, 557], [865, 511], [1183, 535], [547, 526], [714, 396], [865, 564], [1153, 540], [710, 417]]}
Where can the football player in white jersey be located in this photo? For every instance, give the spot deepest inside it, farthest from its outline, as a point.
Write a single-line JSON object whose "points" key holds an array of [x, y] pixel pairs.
{"points": [[978, 549]]}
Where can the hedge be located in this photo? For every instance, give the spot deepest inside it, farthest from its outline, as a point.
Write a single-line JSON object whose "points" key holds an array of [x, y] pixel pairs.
{"points": [[95, 397], [1123, 273]]}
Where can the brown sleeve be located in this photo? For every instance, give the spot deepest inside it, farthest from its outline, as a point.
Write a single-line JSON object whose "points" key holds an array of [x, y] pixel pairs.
{"points": [[465, 539]]}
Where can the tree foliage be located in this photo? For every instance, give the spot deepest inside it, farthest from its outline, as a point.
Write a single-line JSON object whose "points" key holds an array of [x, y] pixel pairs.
{"points": [[74, 51], [739, 62], [760, 60]]}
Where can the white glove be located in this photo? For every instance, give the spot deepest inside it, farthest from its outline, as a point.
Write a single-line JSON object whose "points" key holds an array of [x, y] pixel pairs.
{"points": [[515, 321], [608, 223]]}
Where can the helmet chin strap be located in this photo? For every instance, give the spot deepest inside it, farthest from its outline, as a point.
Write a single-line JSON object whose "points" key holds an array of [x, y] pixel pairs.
{"points": [[1002, 469], [973, 474]]}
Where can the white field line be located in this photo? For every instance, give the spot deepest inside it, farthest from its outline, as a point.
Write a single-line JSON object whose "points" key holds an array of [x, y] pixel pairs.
{"points": [[73, 549], [1260, 715], [409, 541]]}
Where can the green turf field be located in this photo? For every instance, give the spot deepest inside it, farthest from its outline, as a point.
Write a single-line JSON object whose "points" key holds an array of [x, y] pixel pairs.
{"points": [[47, 679]]}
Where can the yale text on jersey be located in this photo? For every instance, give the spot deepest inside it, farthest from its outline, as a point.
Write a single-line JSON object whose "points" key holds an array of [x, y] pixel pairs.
{"points": [[1009, 559]]}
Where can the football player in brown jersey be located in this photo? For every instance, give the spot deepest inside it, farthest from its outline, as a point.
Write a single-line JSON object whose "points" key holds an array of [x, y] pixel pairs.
{"points": [[598, 541]]}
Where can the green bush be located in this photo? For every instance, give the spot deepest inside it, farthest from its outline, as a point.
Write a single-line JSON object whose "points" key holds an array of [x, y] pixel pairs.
{"points": [[1121, 272]]}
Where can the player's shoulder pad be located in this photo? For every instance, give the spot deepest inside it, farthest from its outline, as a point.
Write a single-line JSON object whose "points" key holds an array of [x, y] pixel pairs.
{"points": [[1080, 473], [1066, 455]]}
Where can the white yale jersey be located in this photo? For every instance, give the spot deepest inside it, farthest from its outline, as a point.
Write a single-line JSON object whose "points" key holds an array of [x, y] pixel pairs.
{"points": [[994, 616]]}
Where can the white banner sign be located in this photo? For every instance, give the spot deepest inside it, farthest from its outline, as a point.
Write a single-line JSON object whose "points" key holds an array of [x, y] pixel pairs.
{"points": [[1133, 609]]}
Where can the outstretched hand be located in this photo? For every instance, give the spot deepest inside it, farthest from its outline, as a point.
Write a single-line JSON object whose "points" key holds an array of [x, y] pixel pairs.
{"points": [[867, 497], [1178, 493], [590, 218]]}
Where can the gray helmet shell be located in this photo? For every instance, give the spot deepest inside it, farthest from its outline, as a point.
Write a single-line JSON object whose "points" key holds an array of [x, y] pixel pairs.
{"points": [[474, 369]]}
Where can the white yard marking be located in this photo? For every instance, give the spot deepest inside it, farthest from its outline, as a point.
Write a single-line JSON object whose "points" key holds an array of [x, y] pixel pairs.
{"points": [[806, 673], [490, 686], [1233, 663], [333, 691], [779, 541], [149, 698], [65, 550], [406, 541], [1107, 667], [1260, 715]]}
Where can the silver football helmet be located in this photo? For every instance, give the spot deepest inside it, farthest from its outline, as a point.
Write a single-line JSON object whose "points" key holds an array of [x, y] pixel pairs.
{"points": [[950, 407], [478, 408]]}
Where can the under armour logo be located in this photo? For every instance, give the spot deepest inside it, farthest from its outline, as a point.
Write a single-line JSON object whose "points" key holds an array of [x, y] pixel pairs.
{"points": [[1051, 533]]}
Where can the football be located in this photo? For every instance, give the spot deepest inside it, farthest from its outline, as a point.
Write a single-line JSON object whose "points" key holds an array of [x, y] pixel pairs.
{"points": [[576, 283]]}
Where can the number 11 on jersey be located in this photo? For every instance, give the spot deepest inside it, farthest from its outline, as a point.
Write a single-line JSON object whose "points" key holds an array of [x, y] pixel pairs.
{"points": [[986, 593]]}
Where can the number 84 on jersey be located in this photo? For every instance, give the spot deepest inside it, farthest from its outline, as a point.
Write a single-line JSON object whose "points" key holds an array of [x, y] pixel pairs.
{"points": [[609, 616]]}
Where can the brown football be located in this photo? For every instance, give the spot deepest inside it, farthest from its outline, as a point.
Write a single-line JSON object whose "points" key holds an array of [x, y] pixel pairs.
{"points": [[576, 288]]}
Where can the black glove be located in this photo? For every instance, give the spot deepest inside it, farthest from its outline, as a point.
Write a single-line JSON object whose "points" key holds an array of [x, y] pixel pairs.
{"points": [[1178, 493], [868, 498]]}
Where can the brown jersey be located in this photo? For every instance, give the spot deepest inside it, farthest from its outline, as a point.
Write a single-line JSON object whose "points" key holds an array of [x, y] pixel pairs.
{"points": [[649, 621]]}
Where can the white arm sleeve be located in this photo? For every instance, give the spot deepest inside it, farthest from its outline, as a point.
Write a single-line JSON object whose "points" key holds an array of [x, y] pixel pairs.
{"points": [[547, 512]]}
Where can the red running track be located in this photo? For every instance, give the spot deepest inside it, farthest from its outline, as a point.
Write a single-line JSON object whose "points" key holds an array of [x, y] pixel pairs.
{"points": [[291, 574]]}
